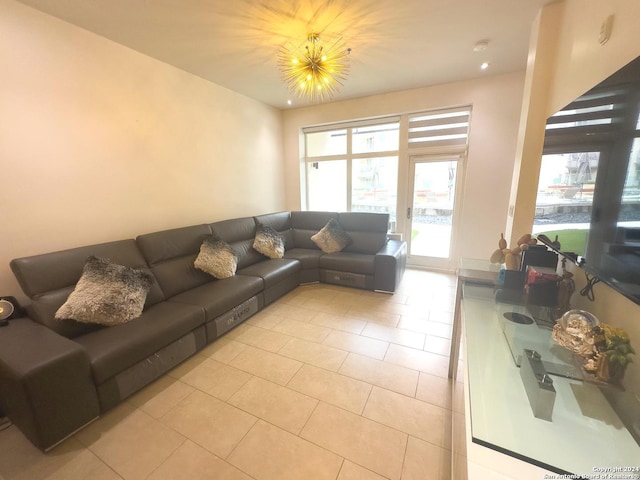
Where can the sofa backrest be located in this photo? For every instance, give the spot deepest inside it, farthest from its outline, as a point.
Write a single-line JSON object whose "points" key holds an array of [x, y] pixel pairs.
{"points": [[48, 279], [306, 224], [368, 231], [280, 222], [171, 254], [240, 234]]}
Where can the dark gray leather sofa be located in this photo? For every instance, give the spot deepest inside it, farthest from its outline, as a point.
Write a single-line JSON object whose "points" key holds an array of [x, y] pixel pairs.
{"points": [[57, 376]]}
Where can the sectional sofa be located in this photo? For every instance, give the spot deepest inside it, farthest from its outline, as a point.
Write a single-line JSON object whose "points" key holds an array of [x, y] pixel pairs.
{"points": [[58, 374]]}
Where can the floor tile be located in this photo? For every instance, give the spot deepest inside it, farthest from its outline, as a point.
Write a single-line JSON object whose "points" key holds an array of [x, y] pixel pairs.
{"points": [[367, 443], [267, 365], [435, 390], [216, 379], [331, 387], [291, 311], [425, 461], [209, 422], [320, 305], [270, 453], [351, 471], [387, 375], [394, 335], [303, 330], [269, 401], [314, 354], [441, 316], [192, 462], [131, 442], [418, 360], [161, 396], [357, 344], [265, 319], [415, 322], [223, 349], [415, 417], [262, 338], [339, 322], [369, 314], [439, 345], [21, 460]]}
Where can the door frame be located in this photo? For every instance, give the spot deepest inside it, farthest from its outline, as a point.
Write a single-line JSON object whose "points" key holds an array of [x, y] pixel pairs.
{"points": [[435, 263]]}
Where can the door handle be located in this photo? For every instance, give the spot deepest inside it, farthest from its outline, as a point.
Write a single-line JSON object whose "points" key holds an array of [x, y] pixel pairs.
{"points": [[409, 212]]}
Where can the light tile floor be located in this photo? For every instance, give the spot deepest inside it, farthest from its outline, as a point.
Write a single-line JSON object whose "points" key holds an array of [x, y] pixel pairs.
{"points": [[327, 383]]}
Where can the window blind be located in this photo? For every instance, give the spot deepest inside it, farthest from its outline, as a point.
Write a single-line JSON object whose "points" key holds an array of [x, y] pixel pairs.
{"points": [[441, 128]]}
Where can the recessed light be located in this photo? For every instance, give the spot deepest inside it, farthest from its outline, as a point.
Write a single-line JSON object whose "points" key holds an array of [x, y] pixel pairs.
{"points": [[481, 46], [289, 102], [484, 66]]}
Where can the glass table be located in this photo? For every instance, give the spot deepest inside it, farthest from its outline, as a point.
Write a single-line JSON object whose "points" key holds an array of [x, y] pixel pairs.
{"points": [[584, 435]]}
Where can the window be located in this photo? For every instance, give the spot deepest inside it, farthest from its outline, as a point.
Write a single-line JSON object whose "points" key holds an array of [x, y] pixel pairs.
{"points": [[353, 167]]}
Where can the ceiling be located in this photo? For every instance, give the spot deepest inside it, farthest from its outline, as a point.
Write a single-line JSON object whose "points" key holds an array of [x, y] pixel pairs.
{"points": [[396, 44]]}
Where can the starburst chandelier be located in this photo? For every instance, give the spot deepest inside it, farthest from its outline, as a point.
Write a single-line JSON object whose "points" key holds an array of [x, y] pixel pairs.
{"points": [[314, 70]]}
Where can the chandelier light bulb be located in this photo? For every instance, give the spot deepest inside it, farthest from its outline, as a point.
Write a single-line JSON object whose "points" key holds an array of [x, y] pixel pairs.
{"points": [[317, 69]]}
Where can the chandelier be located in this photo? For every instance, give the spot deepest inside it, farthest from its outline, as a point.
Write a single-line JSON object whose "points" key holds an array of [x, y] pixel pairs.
{"points": [[314, 70]]}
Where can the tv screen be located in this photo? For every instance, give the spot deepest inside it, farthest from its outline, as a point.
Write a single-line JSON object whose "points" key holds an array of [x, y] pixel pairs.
{"points": [[589, 184]]}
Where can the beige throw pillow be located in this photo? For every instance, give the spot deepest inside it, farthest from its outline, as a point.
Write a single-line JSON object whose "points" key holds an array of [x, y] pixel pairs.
{"points": [[217, 258], [107, 294], [332, 238]]}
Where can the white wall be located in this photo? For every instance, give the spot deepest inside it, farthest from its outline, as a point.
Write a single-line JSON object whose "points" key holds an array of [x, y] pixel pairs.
{"points": [[99, 142], [496, 105]]}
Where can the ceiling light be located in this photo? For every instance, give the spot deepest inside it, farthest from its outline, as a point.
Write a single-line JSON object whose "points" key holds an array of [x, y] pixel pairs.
{"points": [[484, 66], [314, 70], [481, 46]]}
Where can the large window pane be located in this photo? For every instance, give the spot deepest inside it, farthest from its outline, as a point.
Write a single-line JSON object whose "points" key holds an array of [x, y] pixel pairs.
{"points": [[374, 185], [376, 138], [333, 142], [327, 182], [433, 201], [565, 196]]}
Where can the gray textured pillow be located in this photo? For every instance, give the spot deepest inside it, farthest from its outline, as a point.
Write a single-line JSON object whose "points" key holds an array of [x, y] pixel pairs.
{"points": [[106, 294], [332, 238], [268, 241], [217, 258]]}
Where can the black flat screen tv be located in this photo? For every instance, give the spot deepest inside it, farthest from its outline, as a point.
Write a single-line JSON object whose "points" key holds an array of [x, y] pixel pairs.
{"points": [[589, 186]]}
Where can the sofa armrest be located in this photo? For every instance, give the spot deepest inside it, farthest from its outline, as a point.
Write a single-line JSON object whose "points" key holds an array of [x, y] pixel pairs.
{"points": [[46, 388], [389, 266]]}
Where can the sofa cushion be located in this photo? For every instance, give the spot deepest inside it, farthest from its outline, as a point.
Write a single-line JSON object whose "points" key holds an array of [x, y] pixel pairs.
{"points": [[273, 271], [44, 309], [309, 258], [217, 258], [171, 255], [348, 262], [220, 296], [281, 223], [240, 234], [107, 294], [268, 241], [49, 278], [112, 350], [306, 224], [331, 238], [368, 231]]}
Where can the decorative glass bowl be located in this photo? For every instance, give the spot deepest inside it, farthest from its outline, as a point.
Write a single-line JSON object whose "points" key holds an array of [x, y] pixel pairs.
{"points": [[574, 331]]}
